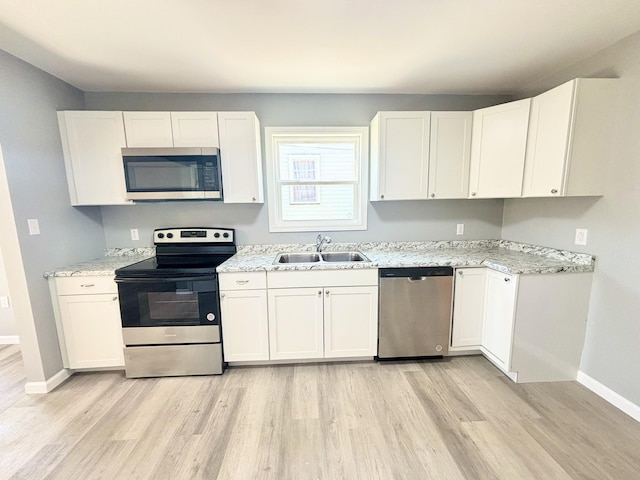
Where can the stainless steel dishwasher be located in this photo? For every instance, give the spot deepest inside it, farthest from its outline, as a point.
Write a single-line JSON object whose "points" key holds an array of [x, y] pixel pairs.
{"points": [[415, 312]]}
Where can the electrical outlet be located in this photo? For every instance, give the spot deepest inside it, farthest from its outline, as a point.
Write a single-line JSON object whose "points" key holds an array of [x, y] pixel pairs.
{"points": [[34, 226], [460, 229], [581, 236], [4, 302], [134, 234]]}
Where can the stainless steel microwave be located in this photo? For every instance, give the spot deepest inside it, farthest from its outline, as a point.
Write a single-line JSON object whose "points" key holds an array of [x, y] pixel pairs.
{"points": [[172, 173]]}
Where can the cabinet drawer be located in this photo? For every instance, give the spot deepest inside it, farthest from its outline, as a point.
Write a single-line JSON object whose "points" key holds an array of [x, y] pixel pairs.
{"points": [[242, 281], [85, 285]]}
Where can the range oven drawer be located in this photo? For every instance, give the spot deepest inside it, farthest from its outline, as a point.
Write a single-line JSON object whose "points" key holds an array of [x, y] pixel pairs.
{"points": [[171, 335], [173, 360]]}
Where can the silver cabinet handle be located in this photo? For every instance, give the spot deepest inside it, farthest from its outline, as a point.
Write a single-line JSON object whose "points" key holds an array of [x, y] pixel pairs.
{"points": [[460, 272], [319, 292], [381, 196], [222, 295], [327, 292], [507, 279], [473, 194], [115, 298], [242, 282], [554, 190], [253, 198], [88, 285], [433, 195]]}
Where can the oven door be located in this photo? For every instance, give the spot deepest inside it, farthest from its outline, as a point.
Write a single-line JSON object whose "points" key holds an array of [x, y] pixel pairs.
{"points": [[169, 302]]}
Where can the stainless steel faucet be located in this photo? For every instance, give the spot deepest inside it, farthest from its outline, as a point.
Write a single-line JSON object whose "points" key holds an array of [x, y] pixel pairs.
{"points": [[321, 242]]}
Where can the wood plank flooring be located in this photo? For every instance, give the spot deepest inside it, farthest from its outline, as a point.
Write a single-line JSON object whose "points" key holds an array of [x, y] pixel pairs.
{"points": [[458, 418]]}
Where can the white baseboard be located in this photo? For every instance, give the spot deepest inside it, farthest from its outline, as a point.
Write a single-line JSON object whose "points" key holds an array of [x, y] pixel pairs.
{"points": [[610, 396], [47, 386], [9, 340]]}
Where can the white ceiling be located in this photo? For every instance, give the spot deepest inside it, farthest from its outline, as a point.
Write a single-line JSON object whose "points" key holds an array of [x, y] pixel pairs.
{"points": [[322, 46]]}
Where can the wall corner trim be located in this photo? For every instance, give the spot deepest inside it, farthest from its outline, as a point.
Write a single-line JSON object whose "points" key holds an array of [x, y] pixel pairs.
{"points": [[9, 340], [610, 396], [47, 386]]}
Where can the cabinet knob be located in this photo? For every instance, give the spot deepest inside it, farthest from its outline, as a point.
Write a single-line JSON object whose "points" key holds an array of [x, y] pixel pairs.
{"points": [[433, 195], [554, 190], [319, 292], [222, 295], [327, 292], [460, 272], [253, 198], [507, 279], [115, 298], [381, 196], [473, 194]]}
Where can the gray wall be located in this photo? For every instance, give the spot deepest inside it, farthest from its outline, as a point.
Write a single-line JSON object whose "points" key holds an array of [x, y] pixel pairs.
{"points": [[432, 220], [612, 348], [35, 172]]}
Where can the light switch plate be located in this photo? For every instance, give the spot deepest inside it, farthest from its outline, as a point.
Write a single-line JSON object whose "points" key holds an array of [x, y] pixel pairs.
{"points": [[460, 229], [134, 234], [581, 236], [4, 302], [34, 226]]}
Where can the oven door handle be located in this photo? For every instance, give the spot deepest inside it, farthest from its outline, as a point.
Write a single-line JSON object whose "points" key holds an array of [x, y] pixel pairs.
{"points": [[163, 279]]}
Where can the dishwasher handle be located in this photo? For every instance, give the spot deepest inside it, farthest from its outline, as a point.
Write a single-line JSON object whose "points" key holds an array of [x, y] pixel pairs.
{"points": [[416, 273]]}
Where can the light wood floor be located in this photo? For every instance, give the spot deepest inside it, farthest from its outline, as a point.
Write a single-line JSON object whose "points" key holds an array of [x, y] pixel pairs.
{"points": [[454, 419]]}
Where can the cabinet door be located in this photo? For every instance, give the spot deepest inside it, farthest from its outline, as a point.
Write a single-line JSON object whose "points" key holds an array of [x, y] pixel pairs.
{"points": [[91, 143], [148, 129], [295, 323], [400, 155], [450, 153], [350, 322], [245, 331], [468, 307], [547, 144], [498, 144], [499, 311], [241, 157], [92, 330], [195, 129]]}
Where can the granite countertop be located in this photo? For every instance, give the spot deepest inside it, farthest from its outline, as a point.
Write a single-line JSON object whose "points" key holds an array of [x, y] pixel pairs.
{"points": [[502, 255], [104, 266]]}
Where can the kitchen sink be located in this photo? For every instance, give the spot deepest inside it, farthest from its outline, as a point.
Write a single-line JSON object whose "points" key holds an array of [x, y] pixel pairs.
{"points": [[344, 257], [329, 257], [297, 258]]}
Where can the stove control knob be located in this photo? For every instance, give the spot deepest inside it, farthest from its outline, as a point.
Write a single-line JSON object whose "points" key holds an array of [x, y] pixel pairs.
{"points": [[211, 317], [169, 235], [216, 235], [225, 235], [161, 235]]}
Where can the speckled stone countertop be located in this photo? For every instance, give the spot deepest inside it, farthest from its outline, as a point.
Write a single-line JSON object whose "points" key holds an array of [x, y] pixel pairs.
{"points": [[105, 266], [502, 255]]}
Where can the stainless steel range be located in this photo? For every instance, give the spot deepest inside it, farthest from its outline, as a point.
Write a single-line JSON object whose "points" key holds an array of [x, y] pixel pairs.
{"points": [[170, 307]]}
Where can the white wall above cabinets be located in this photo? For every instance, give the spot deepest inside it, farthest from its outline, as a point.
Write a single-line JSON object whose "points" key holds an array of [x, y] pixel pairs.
{"points": [[569, 137], [498, 147], [91, 143]]}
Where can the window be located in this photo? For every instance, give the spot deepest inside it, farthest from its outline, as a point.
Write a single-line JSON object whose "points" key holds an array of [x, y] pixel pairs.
{"points": [[317, 178]]}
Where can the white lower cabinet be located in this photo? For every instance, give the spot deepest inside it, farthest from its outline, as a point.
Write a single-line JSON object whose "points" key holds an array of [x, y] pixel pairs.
{"points": [[468, 309], [327, 314], [243, 310], [88, 321], [499, 310]]}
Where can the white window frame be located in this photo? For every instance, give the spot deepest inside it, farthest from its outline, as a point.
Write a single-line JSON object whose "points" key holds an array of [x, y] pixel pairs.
{"points": [[276, 135]]}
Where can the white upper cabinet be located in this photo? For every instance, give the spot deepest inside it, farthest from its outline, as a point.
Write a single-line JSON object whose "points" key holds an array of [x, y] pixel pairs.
{"points": [[400, 155], [498, 145], [91, 143], [195, 129], [241, 157], [450, 152], [148, 129], [569, 134]]}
